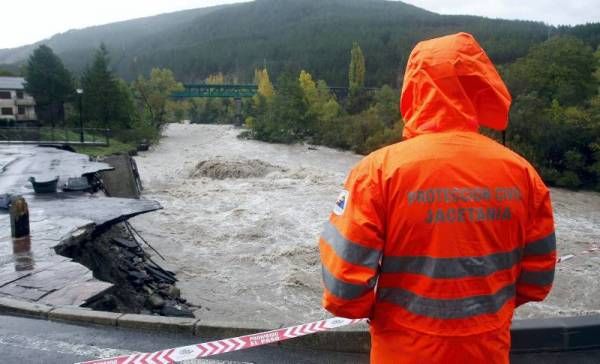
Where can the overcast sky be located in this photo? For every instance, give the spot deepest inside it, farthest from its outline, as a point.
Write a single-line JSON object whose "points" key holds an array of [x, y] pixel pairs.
{"points": [[27, 21]]}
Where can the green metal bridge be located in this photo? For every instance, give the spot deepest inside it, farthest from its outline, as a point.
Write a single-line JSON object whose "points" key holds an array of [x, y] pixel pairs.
{"points": [[240, 91], [222, 91]]}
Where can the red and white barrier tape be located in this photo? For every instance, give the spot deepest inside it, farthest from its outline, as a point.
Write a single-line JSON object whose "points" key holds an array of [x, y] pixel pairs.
{"points": [[203, 350]]}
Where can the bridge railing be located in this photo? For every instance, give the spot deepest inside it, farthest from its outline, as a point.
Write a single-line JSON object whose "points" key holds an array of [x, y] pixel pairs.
{"points": [[243, 90], [49, 135], [223, 91]]}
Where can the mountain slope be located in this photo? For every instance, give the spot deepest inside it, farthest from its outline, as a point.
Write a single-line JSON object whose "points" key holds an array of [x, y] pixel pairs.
{"points": [[315, 35], [118, 35]]}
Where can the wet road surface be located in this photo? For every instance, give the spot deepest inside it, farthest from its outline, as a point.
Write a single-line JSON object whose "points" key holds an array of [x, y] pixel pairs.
{"points": [[27, 340]]}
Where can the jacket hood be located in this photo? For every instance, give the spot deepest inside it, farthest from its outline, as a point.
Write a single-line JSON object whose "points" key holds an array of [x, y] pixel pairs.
{"points": [[451, 84]]}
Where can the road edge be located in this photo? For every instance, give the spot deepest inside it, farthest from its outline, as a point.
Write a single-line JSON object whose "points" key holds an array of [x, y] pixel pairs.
{"points": [[528, 335]]}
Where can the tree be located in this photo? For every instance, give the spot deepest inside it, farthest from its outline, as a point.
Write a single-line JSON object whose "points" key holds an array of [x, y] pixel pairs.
{"points": [[309, 87], [386, 105], [358, 99], [265, 87], [107, 102], [153, 95], [213, 110], [322, 106], [215, 79], [356, 72], [6, 73], [285, 119], [261, 102], [125, 112], [560, 68], [597, 71], [49, 82], [331, 108]]}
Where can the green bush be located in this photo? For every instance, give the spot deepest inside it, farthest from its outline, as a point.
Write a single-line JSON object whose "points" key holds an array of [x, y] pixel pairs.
{"points": [[569, 179]]}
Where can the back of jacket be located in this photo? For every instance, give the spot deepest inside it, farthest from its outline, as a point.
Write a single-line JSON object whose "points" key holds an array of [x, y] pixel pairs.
{"points": [[458, 213], [446, 232]]}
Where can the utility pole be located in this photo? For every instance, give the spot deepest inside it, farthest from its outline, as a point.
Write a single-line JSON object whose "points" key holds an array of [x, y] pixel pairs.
{"points": [[80, 93]]}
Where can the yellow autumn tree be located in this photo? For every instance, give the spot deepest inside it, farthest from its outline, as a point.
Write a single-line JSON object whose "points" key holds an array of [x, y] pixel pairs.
{"points": [[265, 87], [309, 87], [216, 79], [320, 101], [356, 72]]}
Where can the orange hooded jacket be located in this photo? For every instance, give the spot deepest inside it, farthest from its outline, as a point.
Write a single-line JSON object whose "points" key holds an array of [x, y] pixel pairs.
{"points": [[438, 238]]}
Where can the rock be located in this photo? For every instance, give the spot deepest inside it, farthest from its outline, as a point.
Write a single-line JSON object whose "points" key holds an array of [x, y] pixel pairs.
{"points": [[137, 277], [160, 275], [171, 291], [148, 290], [126, 243], [176, 311], [156, 301]]}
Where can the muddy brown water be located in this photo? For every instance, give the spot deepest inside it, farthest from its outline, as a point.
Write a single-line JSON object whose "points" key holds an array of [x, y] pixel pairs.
{"points": [[244, 245]]}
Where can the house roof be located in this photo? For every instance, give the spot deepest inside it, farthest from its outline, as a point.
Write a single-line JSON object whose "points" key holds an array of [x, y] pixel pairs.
{"points": [[12, 83]]}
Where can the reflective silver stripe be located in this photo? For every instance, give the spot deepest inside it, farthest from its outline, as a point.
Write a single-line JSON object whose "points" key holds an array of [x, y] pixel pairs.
{"points": [[343, 289], [451, 267], [349, 251], [447, 308], [543, 246], [540, 278]]}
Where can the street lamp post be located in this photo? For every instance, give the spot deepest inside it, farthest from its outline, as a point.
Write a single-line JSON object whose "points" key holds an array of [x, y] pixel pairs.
{"points": [[80, 93]]}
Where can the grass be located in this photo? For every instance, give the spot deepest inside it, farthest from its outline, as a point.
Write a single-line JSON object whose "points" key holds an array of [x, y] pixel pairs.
{"points": [[114, 147], [46, 134]]}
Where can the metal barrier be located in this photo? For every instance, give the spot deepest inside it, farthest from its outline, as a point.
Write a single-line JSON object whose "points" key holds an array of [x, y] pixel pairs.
{"points": [[48, 135]]}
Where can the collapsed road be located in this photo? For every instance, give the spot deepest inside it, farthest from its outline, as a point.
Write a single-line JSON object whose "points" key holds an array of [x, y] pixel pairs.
{"points": [[83, 252]]}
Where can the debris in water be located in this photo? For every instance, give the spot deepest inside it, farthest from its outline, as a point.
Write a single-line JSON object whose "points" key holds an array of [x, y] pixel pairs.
{"points": [[222, 169]]}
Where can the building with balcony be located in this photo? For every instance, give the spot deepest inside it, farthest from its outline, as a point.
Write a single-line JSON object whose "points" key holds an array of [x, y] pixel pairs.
{"points": [[15, 104]]}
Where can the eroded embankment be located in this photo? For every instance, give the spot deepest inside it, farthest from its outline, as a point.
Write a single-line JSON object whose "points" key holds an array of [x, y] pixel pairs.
{"points": [[140, 285]]}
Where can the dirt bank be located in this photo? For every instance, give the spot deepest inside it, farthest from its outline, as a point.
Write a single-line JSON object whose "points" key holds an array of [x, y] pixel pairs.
{"points": [[241, 219]]}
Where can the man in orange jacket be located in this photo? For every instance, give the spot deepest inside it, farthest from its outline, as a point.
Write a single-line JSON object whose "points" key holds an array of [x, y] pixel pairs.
{"points": [[438, 238]]}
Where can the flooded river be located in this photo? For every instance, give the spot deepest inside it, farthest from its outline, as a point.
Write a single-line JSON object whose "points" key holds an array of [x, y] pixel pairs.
{"points": [[241, 220]]}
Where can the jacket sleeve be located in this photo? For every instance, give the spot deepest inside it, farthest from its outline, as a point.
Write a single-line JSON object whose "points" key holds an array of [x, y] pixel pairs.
{"points": [[539, 252], [351, 245]]}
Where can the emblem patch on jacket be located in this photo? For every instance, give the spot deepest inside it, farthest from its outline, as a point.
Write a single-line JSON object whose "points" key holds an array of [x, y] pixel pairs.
{"points": [[340, 203]]}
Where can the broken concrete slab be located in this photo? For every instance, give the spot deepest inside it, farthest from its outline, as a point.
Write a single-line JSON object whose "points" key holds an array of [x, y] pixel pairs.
{"points": [[55, 277], [42, 275], [124, 180], [66, 283], [76, 294], [58, 222], [19, 162]]}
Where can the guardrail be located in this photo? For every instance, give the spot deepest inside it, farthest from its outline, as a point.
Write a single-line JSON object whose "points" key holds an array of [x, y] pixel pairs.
{"points": [[48, 135]]}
